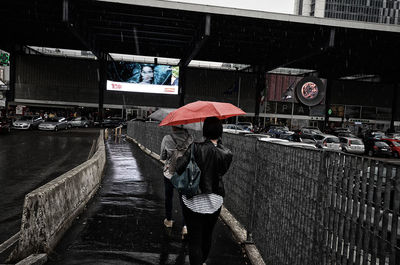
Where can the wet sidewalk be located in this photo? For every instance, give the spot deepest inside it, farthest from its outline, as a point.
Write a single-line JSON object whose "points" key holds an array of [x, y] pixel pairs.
{"points": [[123, 224]]}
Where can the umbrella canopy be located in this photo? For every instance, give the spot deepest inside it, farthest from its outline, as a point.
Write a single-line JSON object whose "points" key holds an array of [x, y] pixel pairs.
{"points": [[161, 113], [199, 110]]}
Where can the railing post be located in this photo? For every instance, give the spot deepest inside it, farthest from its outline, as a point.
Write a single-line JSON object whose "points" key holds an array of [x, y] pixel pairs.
{"points": [[318, 222], [250, 226]]}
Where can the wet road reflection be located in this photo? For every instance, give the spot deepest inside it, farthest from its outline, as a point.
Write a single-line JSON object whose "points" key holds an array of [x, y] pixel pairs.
{"points": [[29, 159], [123, 224]]}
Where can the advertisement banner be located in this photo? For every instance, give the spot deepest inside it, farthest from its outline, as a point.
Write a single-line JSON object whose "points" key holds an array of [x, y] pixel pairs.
{"points": [[143, 78], [130, 87]]}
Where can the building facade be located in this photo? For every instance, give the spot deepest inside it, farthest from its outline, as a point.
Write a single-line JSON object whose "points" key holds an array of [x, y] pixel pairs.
{"points": [[374, 11]]}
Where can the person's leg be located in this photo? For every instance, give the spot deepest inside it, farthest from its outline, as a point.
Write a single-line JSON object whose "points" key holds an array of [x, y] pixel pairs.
{"points": [[182, 205], [208, 227], [184, 227], [169, 193], [194, 226]]}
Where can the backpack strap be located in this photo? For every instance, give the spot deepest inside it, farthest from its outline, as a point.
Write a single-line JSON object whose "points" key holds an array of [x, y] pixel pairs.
{"points": [[173, 139], [185, 144], [192, 152]]}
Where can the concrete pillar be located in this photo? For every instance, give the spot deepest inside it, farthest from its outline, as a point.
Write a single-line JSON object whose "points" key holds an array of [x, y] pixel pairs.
{"points": [[260, 86], [102, 75], [182, 84], [10, 94], [327, 102], [395, 94]]}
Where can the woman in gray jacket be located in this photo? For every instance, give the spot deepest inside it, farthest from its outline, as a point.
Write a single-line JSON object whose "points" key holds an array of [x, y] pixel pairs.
{"points": [[178, 140]]}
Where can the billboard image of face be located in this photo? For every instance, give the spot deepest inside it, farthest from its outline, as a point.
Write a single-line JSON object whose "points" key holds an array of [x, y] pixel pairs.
{"points": [[142, 78]]}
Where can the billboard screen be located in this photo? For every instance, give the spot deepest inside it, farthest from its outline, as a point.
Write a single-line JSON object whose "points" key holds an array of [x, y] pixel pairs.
{"points": [[142, 78]]}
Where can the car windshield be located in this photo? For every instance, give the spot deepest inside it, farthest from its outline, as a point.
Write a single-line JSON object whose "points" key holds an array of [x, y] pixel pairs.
{"points": [[52, 120], [332, 140], [77, 119], [381, 144], [356, 142], [315, 131], [397, 144], [318, 137]]}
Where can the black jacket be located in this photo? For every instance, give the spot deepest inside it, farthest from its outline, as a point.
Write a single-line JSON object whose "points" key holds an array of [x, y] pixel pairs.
{"points": [[213, 161]]}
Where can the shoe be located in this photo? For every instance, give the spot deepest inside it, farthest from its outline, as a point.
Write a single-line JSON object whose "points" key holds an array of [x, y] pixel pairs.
{"points": [[168, 223], [184, 231]]}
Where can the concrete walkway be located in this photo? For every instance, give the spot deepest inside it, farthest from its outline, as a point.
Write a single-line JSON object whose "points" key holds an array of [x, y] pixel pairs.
{"points": [[124, 222]]}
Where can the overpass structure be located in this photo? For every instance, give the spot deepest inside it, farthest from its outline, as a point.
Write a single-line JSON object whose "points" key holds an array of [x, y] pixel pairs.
{"points": [[264, 40]]}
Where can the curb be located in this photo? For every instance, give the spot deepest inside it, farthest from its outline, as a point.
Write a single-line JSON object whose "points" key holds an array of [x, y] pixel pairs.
{"points": [[34, 259], [235, 226]]}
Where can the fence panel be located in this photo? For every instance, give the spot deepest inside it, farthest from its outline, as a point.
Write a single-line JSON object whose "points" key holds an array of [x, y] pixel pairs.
{"points": [[307, 206]]}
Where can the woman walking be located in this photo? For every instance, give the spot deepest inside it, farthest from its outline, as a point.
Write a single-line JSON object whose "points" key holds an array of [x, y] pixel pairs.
{"points": [[202, 210]]}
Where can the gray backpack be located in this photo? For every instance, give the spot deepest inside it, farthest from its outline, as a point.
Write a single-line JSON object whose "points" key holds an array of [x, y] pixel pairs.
{"points": [[170, 164]]}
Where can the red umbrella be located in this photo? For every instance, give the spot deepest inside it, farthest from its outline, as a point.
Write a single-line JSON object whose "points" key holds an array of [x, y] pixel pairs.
{"points": [[199, 110]]}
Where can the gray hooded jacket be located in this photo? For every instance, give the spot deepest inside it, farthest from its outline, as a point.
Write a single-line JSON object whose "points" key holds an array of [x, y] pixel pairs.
{"points": [[169, 142]]}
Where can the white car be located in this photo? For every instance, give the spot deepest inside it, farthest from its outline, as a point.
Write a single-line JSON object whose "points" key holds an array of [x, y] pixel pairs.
{"points": [[233, 128], [352, 145], [246, 125], [328, 142], [79, 122], [54, 124], [27, 122]]}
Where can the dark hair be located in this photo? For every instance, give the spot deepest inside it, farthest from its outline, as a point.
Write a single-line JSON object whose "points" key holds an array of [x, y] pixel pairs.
{"points": [[212, 128], [141, 70]]}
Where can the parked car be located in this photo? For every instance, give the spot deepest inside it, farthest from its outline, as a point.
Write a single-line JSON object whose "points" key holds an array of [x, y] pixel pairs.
{"points": [[233, 128], [308, 141], [395, 135], [375, 147], [291, 136], [338, 131], [27, 122], [327, 141], [276, 131], [374, 134], [309, 132], [113, 122], [352, 145], [80, 122], [5, 125], [394, 146], [246, 126], [54, 124], [346, 134]]}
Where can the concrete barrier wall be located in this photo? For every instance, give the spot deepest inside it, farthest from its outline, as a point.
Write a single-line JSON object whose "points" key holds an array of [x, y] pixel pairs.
{"points": [[50, 210]]}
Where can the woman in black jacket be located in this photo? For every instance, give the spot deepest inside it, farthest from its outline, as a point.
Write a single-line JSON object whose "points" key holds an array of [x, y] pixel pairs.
{"points": [[202, 210]]}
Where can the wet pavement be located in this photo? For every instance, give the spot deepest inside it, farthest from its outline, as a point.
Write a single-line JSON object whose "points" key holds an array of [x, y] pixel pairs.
{"points": [[29, 159], [123, 224]]}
